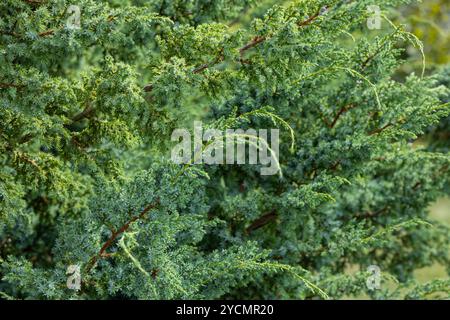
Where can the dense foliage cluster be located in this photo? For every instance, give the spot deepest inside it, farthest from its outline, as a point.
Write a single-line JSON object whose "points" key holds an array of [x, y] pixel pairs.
{"points": [[86, 116]]}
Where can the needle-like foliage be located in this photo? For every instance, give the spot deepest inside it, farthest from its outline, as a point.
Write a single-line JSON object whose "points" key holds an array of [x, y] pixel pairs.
{"points": [[86, 116]]}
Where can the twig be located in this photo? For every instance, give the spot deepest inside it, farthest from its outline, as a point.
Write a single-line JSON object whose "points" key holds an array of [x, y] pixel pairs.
{"points": [[309, 20], [371, 214], [28, 160], [10, 85], [46, 33], [9, 33], [253, 43], [116, 234], [83, 114], [343, 110], [262, 221], [34, 1], [378, 130]]}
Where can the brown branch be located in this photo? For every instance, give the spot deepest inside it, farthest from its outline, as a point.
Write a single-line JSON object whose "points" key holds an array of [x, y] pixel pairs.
{"points": [[26, 138], [10, 85], [417, 186], [220, 58], [365, 63], [17, 154], [22, 156], [309, 20], [9, 33], [372, 214], [35, 2], [262, 221], [253, 43], [116, 234], [378, 130], [83, 114], [81, 148], [335, 165], [46, 33], [343, 110], [40, 34], [201, 68], [148, 87]]}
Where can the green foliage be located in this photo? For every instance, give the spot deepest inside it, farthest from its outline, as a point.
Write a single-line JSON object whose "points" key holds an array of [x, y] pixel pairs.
{"points": [[85, 122]]}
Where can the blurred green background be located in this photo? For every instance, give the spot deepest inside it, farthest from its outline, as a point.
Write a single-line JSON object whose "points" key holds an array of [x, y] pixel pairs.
{"points": [[430, 22]]}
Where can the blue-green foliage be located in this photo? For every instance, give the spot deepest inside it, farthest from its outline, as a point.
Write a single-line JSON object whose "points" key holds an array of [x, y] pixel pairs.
{"points": [[85, 122]]}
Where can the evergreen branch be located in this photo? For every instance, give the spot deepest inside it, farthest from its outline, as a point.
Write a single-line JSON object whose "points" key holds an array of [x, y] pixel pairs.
{"points": [[199, 69], [359, 75], [414, 40], [218, 142], [251, 44], [116, 234], [136, 263], [391, 229], [241, 138], [372, 56], [266, 113], [84, 190], [348, 70], [372, 214], [6, 296], [28, 160], [290, 269], [379, 130]]}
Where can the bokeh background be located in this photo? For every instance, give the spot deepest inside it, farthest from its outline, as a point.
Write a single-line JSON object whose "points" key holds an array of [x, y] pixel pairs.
{"points": [[430, 22]]}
